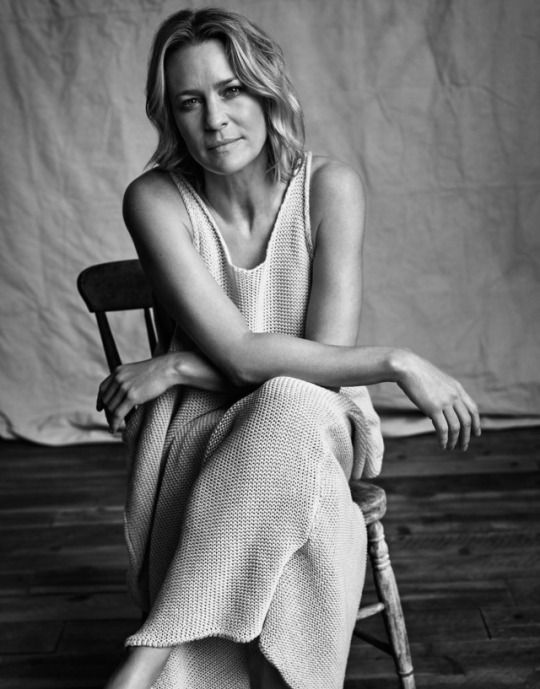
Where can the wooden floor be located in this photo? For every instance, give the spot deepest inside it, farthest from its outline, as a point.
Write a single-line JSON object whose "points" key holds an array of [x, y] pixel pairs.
{"points": [[464, 535]]}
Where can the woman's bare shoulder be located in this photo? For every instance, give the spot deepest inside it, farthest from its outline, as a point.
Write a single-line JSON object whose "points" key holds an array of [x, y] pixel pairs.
{"points": [[329, 173], [152, 186], [336, 190], [152, 194]]}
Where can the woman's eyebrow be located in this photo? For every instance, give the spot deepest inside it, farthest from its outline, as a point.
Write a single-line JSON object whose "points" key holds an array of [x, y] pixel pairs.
{"points": [[217, 85]]}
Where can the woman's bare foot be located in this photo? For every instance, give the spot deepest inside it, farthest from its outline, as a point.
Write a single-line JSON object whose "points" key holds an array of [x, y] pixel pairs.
{"points": [[140, 669]]}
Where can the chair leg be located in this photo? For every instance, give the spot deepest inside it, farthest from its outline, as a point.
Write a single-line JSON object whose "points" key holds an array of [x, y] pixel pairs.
{"points": [[387, 591]]}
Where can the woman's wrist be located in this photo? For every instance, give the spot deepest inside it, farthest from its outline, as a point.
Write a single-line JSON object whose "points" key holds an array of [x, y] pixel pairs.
{"points": [[400, 362], [192, 370], [174, 366]]}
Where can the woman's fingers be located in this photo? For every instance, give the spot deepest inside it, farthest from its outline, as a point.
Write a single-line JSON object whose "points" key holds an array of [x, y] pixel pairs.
{"points": [[113, 397], [106, 391], [121, 414], [464, 416], [101, 391], [117, 398], [454, 427], [468, 413], [475, 416], [441, 427], [109, 418], [118, 409]]}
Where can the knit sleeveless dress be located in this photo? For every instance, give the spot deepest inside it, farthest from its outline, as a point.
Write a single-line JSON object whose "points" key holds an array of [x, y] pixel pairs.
{"points": [[239, 519]]}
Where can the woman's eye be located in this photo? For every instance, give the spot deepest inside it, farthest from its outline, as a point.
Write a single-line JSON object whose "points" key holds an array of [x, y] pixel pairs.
{"points": [[189, 104], [232, 91]]}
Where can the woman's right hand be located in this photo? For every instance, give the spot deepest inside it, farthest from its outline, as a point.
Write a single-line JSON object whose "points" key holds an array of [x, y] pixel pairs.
{"points": [[133, 384], [440, 397]]}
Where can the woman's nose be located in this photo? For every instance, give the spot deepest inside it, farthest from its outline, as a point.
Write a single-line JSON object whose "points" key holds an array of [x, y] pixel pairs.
{"points": [[216, 117]]}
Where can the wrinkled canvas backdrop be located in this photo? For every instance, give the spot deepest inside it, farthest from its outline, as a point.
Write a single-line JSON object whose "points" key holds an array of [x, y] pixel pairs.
{"points": [[437, 103]]}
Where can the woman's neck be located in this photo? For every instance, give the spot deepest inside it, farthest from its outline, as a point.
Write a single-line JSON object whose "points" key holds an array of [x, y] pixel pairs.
{"points": [[239, 199]]}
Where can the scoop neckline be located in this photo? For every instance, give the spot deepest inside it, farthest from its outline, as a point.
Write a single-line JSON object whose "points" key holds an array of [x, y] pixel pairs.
{"points": [[204, 206]]}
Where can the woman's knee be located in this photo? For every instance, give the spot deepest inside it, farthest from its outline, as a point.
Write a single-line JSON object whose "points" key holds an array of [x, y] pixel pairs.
{"points": [[286, 424], [290, 398]]}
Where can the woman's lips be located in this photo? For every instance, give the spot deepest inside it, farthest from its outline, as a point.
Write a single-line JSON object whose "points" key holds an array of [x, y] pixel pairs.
{"points": [[221, 144]]}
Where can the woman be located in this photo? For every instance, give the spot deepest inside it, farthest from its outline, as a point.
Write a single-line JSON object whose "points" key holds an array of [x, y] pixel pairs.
{"points": [[244, 543]]}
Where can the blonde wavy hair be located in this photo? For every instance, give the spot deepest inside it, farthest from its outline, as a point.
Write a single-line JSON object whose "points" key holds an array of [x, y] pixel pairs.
{"points": [[257, 62]]}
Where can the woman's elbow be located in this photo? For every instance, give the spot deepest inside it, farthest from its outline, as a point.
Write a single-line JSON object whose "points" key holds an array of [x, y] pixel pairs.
{"points": [[239, 361], [245, 369], [241, 375]]}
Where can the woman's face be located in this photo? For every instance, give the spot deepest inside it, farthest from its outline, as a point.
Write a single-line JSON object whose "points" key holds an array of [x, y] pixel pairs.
{"points": [[222, 125]]}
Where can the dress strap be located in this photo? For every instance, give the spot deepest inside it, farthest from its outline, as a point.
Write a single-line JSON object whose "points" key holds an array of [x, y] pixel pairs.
{"points": [[195, 212], [307, 208]]}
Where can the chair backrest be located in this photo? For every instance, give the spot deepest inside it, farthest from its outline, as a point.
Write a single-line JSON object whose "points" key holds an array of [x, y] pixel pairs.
{"points": [[122, 286]]}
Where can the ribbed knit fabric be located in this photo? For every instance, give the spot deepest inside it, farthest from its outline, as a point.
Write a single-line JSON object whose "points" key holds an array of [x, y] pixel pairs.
{"points": [[239, 519]]}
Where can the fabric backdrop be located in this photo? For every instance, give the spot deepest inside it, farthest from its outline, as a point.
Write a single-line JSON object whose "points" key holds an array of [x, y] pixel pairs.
{"points": [[435, 102]]}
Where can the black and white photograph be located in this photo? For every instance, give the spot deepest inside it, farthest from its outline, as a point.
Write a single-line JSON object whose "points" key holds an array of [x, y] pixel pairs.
{"points": [[270, 344]]}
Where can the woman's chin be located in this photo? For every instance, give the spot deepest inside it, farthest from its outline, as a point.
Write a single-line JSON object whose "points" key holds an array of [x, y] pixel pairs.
{"points": [[230, 159]]}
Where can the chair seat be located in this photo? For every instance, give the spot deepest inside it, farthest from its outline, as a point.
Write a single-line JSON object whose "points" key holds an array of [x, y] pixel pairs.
{"points": [[370, 499]]}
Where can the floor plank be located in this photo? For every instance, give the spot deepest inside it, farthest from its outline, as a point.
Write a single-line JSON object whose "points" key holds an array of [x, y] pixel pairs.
{"points": [[463, 532]]}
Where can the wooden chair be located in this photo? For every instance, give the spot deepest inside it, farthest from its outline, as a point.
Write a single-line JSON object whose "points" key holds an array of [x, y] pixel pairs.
{"points": [[122, 286], [372, 501]]}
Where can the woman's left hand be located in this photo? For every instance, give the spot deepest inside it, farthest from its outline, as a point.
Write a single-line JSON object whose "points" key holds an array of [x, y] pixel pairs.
{"points": [[132, 384], [440, 397]]}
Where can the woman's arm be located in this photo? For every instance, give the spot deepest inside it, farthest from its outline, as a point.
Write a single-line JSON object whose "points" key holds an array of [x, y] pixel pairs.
{"points": [[334, 307], [337, 211], [338, 219], [179, 277]]}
